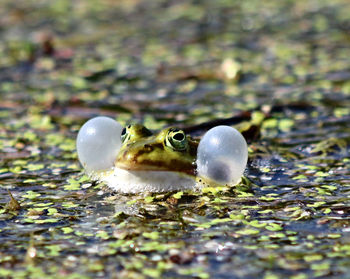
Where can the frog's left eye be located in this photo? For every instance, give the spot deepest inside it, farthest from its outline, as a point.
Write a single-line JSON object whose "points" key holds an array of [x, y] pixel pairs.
{"points": [[125, 135], [176, 139]]}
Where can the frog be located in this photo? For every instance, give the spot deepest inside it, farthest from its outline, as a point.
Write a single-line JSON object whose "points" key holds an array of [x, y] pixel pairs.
{"points": [[154, 161], [135, 159]]}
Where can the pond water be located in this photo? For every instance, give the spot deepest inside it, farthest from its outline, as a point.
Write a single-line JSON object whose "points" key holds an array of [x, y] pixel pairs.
{"points": [[279, 71]]}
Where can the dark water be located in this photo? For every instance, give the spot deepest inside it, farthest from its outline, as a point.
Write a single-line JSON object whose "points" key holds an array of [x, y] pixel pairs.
{"points": [[285, 64]]}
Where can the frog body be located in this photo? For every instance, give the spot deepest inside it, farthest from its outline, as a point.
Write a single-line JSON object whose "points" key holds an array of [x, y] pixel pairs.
{"points": [[134, 160], [162, 161]]}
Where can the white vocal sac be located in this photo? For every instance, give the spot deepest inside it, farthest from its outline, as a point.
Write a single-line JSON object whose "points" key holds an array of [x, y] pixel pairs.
{"points": [[222, 155], [98, 143]]}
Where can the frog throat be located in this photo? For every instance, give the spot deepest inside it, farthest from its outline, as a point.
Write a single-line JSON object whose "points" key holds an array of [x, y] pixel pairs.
{"points": [[126, 181]]}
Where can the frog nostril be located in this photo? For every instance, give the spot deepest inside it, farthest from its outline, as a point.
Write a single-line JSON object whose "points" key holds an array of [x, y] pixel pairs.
{"points": [[148, 147]]}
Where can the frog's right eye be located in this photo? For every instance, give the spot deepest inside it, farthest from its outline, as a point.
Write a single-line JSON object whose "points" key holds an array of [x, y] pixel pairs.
{"points": [[98, 143], [176, 139], [125, 135]]}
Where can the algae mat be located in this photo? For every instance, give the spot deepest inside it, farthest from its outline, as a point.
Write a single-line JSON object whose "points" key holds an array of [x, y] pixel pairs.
{"points": [[277, 70]]}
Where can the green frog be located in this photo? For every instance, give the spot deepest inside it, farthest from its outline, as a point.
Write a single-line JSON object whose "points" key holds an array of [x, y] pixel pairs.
{"points": [[133, 159], [163, 161]]}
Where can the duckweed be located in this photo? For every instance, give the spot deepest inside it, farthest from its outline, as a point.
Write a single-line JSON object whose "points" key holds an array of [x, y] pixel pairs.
{"points": [[278, 71]]}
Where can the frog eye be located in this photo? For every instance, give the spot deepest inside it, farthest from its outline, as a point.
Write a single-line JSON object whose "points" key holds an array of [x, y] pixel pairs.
{"points": [[125, 135], [176, 139], [222, 155], [98, 143]]}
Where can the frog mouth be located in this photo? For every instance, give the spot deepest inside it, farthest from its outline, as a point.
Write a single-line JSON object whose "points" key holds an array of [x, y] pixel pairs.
{"points": [[136, 181], [157, 167]]}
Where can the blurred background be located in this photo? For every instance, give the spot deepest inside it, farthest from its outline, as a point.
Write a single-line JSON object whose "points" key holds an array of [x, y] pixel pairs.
{"points": [[178, 60]]}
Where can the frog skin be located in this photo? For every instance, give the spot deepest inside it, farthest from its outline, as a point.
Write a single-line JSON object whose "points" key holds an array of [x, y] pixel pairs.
{"points": [[164, 161]]}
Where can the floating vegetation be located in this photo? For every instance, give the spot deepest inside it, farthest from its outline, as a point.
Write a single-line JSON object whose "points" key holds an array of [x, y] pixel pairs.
{"points": [[278, 71]]}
